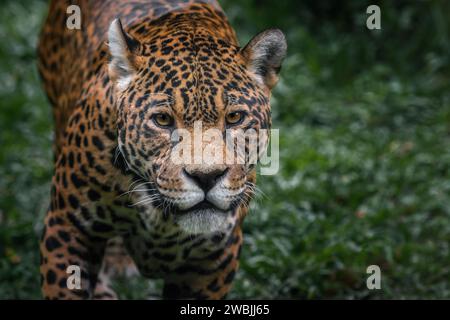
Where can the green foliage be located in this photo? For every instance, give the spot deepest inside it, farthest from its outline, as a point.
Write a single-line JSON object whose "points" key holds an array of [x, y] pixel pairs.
{"points": [[25, 150], [364, 119]]}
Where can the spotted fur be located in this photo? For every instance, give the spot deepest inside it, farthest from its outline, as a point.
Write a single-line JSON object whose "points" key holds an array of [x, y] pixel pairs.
{"points": [[114, 185]]}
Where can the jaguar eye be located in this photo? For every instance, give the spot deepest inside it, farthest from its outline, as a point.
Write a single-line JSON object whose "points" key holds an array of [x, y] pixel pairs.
{"points": [[235, 117], [162, 119]]}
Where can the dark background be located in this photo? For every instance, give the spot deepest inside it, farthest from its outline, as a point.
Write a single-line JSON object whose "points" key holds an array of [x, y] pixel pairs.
{"points": [[364, 120]]}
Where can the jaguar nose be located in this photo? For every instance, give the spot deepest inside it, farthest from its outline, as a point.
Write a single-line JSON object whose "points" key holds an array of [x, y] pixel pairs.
{"points": [[206, 180]]}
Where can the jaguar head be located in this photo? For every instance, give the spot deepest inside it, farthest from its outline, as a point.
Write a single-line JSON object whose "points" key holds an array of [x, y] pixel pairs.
{"points": [[181, 95]]}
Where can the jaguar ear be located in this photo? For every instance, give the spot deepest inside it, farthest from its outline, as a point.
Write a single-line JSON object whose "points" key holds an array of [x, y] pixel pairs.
{"points": [[123, 49], [264, 55]]}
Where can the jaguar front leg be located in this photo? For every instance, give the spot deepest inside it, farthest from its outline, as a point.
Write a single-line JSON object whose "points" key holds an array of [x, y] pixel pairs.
{"points": [[210, 278], [67, 253]]}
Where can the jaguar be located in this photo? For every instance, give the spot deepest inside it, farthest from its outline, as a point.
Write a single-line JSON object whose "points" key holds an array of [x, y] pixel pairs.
{"points": [[120, 87]]}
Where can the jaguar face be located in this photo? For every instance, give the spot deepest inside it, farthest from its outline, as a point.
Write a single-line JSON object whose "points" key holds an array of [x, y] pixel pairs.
{"points": [[179, 97]]}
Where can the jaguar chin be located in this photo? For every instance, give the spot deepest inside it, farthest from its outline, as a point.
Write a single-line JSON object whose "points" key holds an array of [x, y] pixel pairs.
{"points": [[203, 220]]}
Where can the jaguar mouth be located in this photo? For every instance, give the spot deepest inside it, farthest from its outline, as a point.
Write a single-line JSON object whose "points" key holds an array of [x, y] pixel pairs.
{"points": [[203, 218], [201, 207]]}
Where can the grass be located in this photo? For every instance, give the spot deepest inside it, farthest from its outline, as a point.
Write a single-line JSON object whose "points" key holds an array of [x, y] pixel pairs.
{"points": [[364, 120]]}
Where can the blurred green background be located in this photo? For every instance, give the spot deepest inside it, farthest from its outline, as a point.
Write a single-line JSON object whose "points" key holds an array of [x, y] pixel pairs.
{"points": [[364, 119]]}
